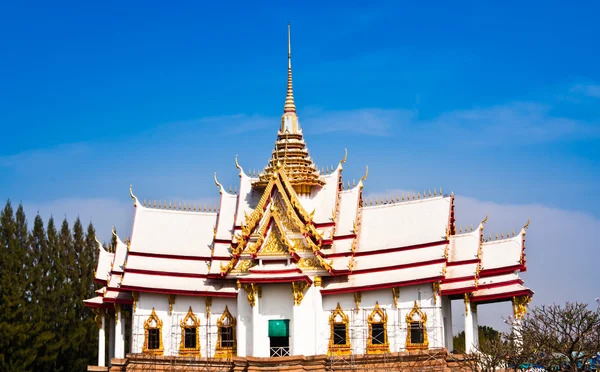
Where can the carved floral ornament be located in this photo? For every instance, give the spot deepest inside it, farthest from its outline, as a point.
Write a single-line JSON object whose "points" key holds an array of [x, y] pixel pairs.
{"points": [[520, 306], [416, 320], [153, 325], [378, 323], [253, 290], [189, 322], [226, 325], [338, 319], [298, 289]]}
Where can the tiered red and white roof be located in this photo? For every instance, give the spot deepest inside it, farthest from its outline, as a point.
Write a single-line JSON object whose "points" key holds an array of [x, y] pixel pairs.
{"points": [[293, 223]]}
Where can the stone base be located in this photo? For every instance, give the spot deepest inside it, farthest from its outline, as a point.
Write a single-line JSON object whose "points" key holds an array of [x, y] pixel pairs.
{"points": [[432, 360]]}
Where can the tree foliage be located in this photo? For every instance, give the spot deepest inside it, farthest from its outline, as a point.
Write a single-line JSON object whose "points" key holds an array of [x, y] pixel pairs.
{"points": [[565, 337], [45, 275]]}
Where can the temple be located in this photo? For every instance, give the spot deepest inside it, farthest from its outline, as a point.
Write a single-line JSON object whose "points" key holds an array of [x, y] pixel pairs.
{"points": [[296, 265]]}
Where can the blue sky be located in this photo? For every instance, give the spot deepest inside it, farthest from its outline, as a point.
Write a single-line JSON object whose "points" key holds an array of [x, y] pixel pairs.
{"points": [[498, 103]]}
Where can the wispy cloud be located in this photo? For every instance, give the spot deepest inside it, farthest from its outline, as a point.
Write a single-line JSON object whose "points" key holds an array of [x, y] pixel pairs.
{"points": [[56, 154], [519, 122], [367, 121], [590, 90]]}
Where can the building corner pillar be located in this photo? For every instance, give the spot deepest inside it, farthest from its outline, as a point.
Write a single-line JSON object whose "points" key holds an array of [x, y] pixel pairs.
{"points": [[101, 339], [119, 333], [475, 327], [469, 336]]}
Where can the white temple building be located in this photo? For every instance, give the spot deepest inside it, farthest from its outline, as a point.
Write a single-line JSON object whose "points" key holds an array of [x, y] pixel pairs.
{"points": [[296, 262]]}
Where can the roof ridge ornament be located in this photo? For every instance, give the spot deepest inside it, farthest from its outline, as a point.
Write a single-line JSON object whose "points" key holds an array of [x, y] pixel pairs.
{"points": [[135, 199], [364, 178], [218, 184], [237, 165]]}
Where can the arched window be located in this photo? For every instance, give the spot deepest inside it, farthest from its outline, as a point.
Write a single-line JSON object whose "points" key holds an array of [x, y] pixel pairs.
{"points": [[416, 335], [339, 339], [190, 335], [377, 343], [153, 343], [226, 341]]}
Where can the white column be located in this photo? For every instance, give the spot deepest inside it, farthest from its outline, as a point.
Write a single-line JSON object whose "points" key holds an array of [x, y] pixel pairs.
{"points": [[111, 338], [320, 335], [475, 327], [447, 314], [101, 341], [258, 343], [242, 321], [468, 328], [119, 334]]}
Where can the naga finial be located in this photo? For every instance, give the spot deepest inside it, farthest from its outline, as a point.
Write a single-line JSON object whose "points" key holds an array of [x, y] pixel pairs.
{"points": [[114, 232], [132, 196], [485, 219], [364, 178], [218, 184], [237, 165], [345, 156], [527, 224]]}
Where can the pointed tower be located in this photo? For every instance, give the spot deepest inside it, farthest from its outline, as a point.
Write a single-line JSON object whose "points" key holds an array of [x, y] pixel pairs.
{"points": [[290, 151]]}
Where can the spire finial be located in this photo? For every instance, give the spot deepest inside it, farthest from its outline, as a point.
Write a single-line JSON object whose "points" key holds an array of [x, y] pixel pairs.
{"points": [[290, 106]]}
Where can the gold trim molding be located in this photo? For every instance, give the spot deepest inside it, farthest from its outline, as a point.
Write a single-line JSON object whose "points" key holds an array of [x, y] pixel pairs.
{"points": [[338, 317], [416, 315], [153, 322], [184, 324]]}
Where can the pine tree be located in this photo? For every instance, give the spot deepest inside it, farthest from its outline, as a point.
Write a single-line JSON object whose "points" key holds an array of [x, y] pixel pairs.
{"points": [[16, 353], [40, 265]]}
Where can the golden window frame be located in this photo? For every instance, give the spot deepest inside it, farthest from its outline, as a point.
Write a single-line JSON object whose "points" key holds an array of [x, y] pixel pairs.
{"points": [[147, 326], [189, 351], [226, 351], [378, 316], [422, 320], [333, 348]]}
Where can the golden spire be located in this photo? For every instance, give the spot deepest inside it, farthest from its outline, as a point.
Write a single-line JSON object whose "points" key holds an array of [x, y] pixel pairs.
{"points": [[289, 106]]}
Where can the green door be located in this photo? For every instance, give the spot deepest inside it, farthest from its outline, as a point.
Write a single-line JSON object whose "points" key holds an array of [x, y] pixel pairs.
{"points": [[279, 328]]}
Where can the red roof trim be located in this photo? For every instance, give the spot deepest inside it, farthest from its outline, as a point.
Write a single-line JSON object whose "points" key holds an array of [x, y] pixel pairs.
{"points": [[386, 250], [399, 267], [276, 280], [179, 292], [500, 270], [283, 271], [325, 292], [459, 279], [118, 301], [222, 241], [342, 237], [324, 224], [463, 262], [501, 296], [166, 273], [179, 257], [100, 281], [472, 288]]}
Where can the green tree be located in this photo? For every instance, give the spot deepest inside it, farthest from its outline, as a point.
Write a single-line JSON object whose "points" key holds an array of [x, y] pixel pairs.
{"points": [[485, 333], [16, 353]]}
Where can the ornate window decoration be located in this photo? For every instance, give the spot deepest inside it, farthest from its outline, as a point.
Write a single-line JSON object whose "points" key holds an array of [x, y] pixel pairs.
{"points": [[226, 340], [190, 335], [377, 342], [153, 343], [339, 339], [416, 335]]}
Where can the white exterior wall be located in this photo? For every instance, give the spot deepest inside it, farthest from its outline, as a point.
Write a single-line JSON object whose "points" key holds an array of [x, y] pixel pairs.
{"points": [[171, 329], [396, 325], [276, 302], [309, 322]]}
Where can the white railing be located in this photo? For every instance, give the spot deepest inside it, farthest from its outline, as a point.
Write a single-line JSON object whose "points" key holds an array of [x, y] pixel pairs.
{"points": [[280, 351]]}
